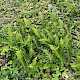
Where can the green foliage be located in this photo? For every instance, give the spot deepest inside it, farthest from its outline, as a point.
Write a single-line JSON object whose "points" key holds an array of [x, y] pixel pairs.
{"points": [[41, 42]]}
